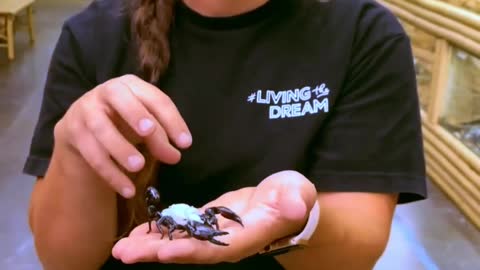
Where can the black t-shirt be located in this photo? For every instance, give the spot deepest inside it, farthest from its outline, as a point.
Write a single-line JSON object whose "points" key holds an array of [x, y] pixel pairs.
{"points": [[326, 88]]}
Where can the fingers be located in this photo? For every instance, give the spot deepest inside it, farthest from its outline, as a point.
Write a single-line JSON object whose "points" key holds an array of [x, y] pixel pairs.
{"points": [[112, 141], [98, 158], [92, 128], [119, 96], [128, 106], [162, 107]]}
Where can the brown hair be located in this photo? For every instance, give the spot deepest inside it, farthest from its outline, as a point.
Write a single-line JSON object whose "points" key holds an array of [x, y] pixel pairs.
{"points": [[151, 21]]}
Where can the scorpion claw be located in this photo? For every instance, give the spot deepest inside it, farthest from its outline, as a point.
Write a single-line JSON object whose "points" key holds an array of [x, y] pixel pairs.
{"points": [[218, 233], [226, 213], [218, 242], [215, 241]]}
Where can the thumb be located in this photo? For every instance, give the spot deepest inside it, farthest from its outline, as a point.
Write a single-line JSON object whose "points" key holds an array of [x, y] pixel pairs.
{"points": [[292, 195]]}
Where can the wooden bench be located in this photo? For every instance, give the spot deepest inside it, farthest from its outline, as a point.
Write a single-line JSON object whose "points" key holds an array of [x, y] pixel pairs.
{"points": [[9, 10]]}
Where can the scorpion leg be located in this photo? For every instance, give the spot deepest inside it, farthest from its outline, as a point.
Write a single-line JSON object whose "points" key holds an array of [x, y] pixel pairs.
{"points": [[152, 214], [159, 224], [169, 223], [181, 228]]}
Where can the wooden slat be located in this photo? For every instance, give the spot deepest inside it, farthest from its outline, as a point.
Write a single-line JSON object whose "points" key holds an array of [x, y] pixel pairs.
{"points": [[423, 54], [459, 40], [454, 174], [467, 161], [453, 158], [439, 79], [439, 19], [472, 5], [468, 157], [419, 38], [469, 201], [459, 14], [456, 197]]}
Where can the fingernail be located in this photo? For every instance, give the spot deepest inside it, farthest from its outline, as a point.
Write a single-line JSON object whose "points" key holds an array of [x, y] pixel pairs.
{"points": [[146, 125], [127, 192], [184, 139], [135, 161]]}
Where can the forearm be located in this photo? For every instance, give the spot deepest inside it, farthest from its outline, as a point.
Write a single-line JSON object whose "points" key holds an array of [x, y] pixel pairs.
{"points": [[73, 215], [349, 235]]}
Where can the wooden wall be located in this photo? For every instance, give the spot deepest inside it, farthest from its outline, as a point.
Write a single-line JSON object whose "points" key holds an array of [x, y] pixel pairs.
{"points": [[446, 44], [472, 5]]}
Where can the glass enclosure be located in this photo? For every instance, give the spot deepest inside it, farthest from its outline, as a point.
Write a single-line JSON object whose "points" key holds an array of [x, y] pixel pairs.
{"points": [[460, 113], [423, 45]]}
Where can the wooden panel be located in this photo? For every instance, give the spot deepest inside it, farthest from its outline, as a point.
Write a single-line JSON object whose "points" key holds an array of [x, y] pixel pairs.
{"points": [[447, 54]]}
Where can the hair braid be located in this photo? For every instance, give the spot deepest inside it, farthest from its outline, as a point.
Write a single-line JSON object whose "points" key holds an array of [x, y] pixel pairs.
{"points": [[151, 23]]}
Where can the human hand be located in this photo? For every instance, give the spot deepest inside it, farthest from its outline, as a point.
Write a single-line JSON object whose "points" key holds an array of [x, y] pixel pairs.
{"points": [[104, 125], [279, 206]]}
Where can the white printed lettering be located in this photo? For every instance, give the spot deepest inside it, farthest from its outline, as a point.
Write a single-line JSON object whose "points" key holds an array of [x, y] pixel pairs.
{"points": [[293, 103], [307, 108], [259, 98], [296, 110], [275, 112], [317, 106], [275, 96], [305, 93]]}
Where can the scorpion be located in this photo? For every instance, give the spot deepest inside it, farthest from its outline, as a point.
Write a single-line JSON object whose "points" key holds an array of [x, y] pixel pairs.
{"points": [[183, 217]]}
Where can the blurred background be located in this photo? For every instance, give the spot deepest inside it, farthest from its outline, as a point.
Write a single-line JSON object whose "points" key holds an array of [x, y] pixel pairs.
{"points": [[442, 232]]}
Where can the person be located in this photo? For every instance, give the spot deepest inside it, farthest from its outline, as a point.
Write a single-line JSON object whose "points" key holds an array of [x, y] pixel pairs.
{"points": [[264, 107]]}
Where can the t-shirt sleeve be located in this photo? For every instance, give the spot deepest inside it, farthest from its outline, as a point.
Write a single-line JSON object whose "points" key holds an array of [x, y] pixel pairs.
{"points": [[65, 83], [372, 140]]}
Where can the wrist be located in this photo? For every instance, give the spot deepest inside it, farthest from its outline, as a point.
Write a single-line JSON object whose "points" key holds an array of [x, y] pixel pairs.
{"points": [[70, 171], [69, 162], [296, 241]]}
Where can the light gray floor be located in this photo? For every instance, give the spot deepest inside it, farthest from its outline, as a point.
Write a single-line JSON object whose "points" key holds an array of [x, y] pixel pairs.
{"points": [[428, 235]]}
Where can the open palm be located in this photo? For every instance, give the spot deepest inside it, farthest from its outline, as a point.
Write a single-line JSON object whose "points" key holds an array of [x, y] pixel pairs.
{"points": [[277, 207]]}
